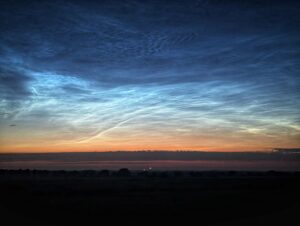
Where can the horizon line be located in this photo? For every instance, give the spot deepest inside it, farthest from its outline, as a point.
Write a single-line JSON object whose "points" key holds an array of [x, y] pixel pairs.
{"points": [[274, 150]]}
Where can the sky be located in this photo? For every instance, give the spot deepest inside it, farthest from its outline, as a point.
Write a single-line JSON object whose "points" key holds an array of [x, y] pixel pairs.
{"points": [[149, 75]]}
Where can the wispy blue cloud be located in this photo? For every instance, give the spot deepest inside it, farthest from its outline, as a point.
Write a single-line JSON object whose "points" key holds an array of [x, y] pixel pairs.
{"points": [[99, 70]]}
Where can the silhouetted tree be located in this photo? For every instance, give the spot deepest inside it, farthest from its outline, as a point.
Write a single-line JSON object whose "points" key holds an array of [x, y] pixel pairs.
{"points": [[163, 174], [177, 173], [124, 172], [104, 173], [144, 173]]}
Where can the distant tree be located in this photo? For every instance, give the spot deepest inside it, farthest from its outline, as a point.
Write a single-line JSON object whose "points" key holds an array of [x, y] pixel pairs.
{"points": [[177, 173], [124, 172], [154, 174], [104, 173], [163, 174], [143, 173], [232, 173], [194, 174]]}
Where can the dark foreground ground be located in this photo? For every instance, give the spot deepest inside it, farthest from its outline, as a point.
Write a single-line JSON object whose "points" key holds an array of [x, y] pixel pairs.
{"points": [[191, 198]]}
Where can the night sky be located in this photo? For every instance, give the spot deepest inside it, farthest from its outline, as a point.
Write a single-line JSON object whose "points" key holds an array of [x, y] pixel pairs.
{"points": [[149, 75]]}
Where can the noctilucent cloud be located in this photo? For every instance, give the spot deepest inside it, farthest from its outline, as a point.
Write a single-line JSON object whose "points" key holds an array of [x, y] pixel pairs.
{"points": [[161, 75]]}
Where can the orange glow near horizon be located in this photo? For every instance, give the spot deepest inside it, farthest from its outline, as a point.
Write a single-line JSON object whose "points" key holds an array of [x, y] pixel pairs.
{"points": [[170, 144]]}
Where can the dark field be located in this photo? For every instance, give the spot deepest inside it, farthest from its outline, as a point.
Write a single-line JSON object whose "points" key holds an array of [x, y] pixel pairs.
{"points": [[95, 197]]}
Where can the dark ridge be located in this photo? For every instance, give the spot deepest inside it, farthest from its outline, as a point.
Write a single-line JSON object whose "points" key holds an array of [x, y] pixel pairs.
{"points": [[124, 172]]}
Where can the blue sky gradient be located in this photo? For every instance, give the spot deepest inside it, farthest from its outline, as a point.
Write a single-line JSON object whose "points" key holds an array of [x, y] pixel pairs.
{"points": [[128, 75]]}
